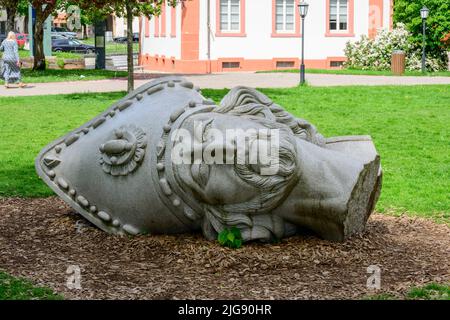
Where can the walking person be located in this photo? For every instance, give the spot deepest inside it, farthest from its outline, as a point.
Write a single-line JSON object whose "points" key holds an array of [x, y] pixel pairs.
{"points": [[10, 70]]}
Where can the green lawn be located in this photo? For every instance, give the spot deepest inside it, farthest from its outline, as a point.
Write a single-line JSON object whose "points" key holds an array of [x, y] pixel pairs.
{"points": [[58, 55], [12, 288], [408, 124], [113, 47], [52, 75], [432, 291], [362, 72]]}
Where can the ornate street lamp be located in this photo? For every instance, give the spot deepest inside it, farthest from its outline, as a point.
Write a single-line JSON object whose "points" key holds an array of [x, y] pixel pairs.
{"points": [[303, 10], [424, 12]]}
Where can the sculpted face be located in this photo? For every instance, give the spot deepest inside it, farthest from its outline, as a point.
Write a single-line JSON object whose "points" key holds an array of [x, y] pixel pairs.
{"points": [[219, 183], [251, 184]]}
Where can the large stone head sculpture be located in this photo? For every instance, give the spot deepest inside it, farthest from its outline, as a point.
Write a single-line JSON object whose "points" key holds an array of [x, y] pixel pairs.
{"points": [[136, 169]]}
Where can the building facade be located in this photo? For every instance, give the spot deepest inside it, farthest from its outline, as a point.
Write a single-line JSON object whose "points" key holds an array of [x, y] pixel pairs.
{"points": [[19, 23], [117, 26], [202, 36]]}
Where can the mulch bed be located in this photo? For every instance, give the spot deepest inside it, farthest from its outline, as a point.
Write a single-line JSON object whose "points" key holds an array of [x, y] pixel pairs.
{"points": [[41, 238]]}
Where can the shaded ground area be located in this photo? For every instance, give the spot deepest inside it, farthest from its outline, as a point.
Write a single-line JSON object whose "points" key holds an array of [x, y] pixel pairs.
{"points": [[40, 238]]}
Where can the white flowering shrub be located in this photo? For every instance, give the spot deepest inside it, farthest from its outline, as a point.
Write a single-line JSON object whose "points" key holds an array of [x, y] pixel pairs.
{"points": [[376, 54], [414, 63]]}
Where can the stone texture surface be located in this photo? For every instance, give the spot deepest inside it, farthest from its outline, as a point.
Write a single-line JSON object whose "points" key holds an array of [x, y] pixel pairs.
{"points": [[118, 170]]}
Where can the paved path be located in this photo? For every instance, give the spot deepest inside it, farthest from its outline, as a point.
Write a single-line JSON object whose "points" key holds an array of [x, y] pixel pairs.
{"points": [[225, 80]]}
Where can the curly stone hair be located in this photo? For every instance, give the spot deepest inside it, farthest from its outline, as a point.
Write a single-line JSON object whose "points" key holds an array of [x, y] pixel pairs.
{"points": [[248, 101], [254, 218]]}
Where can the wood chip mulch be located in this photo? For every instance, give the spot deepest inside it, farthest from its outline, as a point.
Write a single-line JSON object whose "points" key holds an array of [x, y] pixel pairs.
{"points": [[41, 238]]}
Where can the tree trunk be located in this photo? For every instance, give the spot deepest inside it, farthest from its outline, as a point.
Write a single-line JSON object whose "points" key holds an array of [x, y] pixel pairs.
{"points": [[38, 41], [42, 13], [10, 18], [25, 24], [130, 57], [85, 35]]}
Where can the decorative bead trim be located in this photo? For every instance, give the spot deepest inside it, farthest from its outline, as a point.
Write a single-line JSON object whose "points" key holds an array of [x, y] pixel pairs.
{"points": [[178, 204], [82, 201]]}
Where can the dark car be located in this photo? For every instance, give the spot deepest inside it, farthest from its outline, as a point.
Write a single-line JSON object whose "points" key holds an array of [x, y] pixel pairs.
{"points": [[124, 39], [2, 37], [71, 45], [56, 36], [62, 31]]}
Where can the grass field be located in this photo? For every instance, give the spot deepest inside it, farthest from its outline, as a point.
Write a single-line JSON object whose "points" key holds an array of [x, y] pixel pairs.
{"points": [[432, 291], [408, 124], [51, 75], [12, 288], [110, 48], [113, 47], [58, 55], [359, 72]]}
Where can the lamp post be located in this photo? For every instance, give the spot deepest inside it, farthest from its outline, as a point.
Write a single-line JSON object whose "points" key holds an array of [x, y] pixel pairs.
{"points": [[303, 10], [100, 55], [424, 12]]}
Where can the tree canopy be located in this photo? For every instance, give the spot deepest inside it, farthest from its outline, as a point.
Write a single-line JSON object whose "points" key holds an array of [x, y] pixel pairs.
{"points": [[438, 22]]}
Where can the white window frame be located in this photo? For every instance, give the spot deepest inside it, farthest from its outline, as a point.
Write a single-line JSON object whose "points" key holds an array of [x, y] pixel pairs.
{"points": [[338, 17], [284, 30], [229, 30]]}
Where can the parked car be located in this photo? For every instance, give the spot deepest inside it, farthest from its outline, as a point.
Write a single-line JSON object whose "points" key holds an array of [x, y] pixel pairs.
{"points": [[56, 35], [124, 39], [71, 45], [64, 32]]}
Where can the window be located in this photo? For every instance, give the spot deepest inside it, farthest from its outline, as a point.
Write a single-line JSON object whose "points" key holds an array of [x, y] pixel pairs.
{"points": [[230, 15], [230, 65], [336, 64], [284, 15], [285, 64], [230, 18], [338, 15]]}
